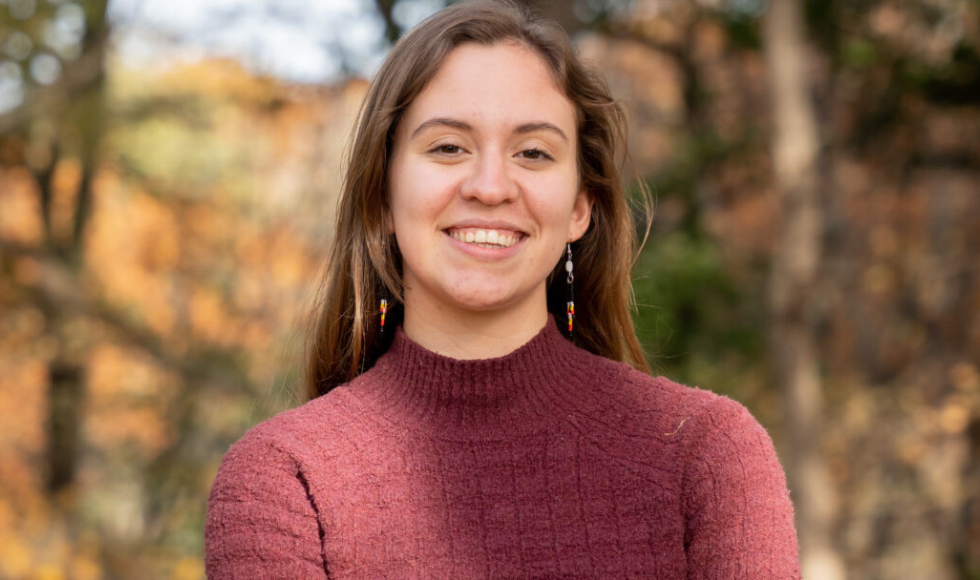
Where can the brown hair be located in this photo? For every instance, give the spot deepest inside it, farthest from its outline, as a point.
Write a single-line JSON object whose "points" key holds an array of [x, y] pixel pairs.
{"points": [[364, 263]]}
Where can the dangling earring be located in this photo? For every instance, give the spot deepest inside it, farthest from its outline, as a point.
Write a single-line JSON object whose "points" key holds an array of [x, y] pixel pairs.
{"points": [[570, 306], [383, 307], [384, 312]]}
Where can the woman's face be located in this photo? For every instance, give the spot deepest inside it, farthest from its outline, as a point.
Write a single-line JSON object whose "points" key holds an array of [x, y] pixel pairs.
{"points": [[484, 186]]}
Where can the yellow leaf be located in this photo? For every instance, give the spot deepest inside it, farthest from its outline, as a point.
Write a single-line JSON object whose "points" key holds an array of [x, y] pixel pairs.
{"points": [[15, 558], [188, 569]]}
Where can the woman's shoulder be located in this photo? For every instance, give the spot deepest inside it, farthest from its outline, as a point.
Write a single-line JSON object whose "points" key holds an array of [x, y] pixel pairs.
{"points": [[713, 429], [317, 424], [658, 426], [675, 405]]}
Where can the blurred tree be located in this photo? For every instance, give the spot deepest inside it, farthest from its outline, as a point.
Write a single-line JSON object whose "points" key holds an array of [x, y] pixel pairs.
{"points": [[53, 146], [393, 30], [60, 118], [793, 276]]}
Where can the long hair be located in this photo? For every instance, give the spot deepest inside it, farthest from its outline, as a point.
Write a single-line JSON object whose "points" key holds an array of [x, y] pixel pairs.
{"points": [[364, 263]]}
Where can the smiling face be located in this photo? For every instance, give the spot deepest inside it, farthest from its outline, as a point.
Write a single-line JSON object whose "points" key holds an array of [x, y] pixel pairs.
{"points": [[483, 185]]}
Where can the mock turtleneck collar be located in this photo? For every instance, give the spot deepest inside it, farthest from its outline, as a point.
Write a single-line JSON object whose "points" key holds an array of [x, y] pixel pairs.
{"points": [[414, 387]]}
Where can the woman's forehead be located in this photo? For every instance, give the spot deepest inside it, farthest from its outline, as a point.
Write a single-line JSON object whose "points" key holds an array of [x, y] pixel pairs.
{"points": [[503, 84]]}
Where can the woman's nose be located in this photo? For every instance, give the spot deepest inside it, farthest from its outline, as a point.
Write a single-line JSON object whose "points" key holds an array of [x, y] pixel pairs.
{"points": [[490, 181]]}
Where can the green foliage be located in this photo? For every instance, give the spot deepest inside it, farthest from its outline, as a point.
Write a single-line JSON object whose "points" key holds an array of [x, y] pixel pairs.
{"points": [[823, 21], [858, 53], [688, 303], [742, 28], [173, 155], [698, 316]]}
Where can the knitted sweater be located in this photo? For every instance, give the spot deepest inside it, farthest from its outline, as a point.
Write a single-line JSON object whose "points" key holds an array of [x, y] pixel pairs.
{"points": [[549, 462]]}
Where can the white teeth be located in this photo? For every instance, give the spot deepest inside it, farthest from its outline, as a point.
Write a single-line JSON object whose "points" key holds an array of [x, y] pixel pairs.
{"points": [[486, 238]]}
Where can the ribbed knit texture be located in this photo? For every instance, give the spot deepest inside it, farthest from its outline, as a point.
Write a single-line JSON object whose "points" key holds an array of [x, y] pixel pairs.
{"points": [[549, 462]]}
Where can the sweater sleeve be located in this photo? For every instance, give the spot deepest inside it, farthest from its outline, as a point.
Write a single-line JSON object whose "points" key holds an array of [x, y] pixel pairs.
{"points": [[738, 510], [261, 522]]}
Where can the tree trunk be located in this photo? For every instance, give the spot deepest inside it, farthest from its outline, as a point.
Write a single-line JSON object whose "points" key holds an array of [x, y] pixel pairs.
{"points": [[82, 120], [795, 262], [65, 401]]}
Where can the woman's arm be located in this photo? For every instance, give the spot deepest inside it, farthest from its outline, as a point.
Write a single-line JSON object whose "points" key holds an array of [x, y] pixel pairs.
{"points": [[261, 522], [738, 510]]}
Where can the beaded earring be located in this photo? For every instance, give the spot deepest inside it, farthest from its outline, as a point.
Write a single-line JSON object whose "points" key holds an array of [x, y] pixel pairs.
{"points": [[384, 312], [570, 306], [383, 307]]}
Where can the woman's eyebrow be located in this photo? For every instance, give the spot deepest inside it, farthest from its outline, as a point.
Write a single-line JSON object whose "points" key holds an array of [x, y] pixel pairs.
{"points": [[464, 126], [540, 126], [442, 122]]}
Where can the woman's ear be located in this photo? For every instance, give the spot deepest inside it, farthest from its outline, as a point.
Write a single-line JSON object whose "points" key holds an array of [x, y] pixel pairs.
{"points": [[581, 216]]}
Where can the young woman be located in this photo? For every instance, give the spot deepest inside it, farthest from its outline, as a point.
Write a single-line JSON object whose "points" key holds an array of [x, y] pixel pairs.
{"points": [[499, 422]]}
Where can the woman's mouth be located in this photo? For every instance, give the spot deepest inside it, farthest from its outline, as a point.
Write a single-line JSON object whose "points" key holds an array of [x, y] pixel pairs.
{"points": [[486, 238]]}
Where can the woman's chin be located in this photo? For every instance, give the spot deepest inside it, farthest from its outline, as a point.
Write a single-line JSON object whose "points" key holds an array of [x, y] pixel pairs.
{"points": [[473, 291], [487, 299], [483, 302]]}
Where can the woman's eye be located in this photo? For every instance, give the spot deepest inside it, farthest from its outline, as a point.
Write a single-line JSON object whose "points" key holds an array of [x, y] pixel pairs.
{"points": [[447, 148], [534, 154]]}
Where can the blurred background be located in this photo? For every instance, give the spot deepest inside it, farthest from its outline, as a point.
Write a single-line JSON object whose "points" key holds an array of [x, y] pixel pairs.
{"points": [[168, 173]]}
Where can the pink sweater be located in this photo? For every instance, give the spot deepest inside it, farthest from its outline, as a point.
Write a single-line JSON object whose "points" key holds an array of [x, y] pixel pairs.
{"points": [[549, 462]]}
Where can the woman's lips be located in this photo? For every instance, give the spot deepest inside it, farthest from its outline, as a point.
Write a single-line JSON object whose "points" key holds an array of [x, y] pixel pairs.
{"points": [[486, 237], [506, 243]]}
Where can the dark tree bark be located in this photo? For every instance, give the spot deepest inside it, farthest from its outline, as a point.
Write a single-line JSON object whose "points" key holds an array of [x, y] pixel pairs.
{"points": [[65, 401], [79, 114], [386, 9]]}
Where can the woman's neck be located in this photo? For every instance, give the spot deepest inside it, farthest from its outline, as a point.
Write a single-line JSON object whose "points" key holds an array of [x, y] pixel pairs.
{"points": [[413, 387], [467, 334]]}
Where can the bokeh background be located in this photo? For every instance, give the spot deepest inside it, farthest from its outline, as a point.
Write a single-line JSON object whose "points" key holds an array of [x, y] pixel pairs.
{"points": [[168, 173]]}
